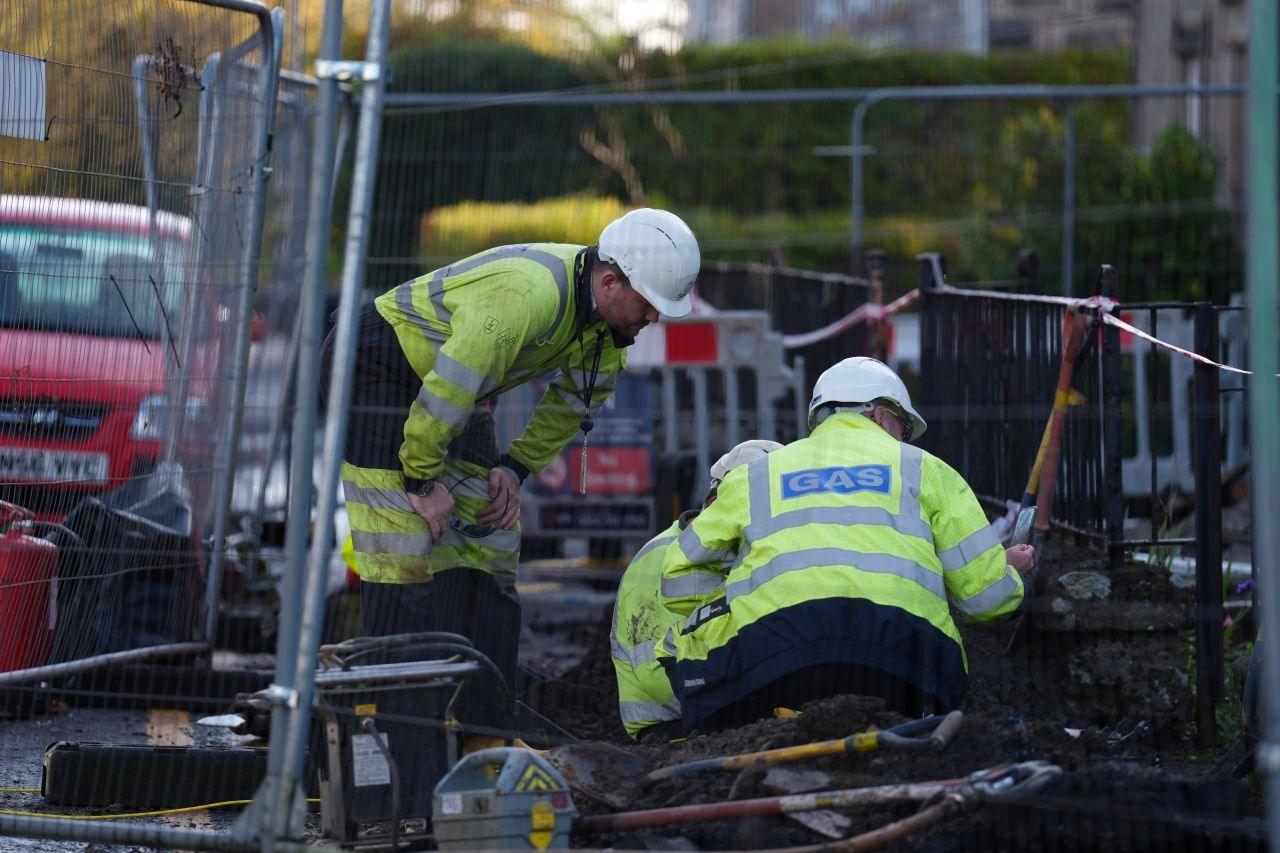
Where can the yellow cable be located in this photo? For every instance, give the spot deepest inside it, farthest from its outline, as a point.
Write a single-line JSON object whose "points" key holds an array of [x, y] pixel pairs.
{"points": [[19, 790], [223, 804]]}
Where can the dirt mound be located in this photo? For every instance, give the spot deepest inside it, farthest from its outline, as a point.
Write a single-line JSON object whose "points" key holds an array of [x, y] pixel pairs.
{"points": [[1096, 681]]}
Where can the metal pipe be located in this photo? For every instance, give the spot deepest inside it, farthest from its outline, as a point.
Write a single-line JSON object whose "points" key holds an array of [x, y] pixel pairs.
{"points": [[120, 832], [701, 430], [1263, 264], [259, 173], [402, 102], [856, 122], [274, 797], [670, 442], [733, 417], [82, 665], [208, 174], [287, 822], [408, 671], [1208, 478], [253, 7], [1068, 200]]}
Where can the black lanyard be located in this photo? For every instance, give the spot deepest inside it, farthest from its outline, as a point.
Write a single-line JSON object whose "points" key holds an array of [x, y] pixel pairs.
{"points": [[582, 288]]}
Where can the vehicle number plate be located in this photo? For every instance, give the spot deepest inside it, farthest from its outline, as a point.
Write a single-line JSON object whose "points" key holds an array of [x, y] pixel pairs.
{"points": [[48, 466]]}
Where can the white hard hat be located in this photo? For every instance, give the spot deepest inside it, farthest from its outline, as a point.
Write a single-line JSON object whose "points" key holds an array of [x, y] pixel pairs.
{"points": [[747, 451], [658, 254], [863, 380]]}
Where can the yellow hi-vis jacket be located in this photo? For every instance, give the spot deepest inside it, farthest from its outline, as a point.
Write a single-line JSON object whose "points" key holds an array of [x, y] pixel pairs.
{"points": [[484, 325], [643, 633], [472, 330], [842, 548]]}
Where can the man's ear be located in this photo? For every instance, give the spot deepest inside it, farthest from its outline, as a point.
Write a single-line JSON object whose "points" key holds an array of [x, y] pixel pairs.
{"points": [[610, 279]]}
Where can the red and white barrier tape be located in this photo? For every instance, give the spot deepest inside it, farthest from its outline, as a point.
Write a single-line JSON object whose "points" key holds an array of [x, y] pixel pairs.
{"points": [[865, 311], [1112, 320], [1101, 304]]}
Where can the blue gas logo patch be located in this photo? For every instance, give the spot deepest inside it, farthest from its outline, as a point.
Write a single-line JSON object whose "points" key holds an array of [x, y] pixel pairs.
{"points": [[840, 480]]}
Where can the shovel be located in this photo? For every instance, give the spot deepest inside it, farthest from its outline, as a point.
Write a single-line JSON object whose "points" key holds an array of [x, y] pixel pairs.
{"points": [[928, 733], [1022, 527], [601, 771]]}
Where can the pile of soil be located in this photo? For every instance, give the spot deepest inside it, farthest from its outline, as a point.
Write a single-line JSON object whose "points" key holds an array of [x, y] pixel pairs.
{"points": [[1109, 705]]}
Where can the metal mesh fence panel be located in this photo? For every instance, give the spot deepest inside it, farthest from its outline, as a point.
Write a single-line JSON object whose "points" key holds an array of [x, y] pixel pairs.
{"points": [[134, 158], [1150, 183]]}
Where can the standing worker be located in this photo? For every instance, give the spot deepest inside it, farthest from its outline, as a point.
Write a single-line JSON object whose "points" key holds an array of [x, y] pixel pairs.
{"points": [[845, 549], [641, 623], [434, 508]]}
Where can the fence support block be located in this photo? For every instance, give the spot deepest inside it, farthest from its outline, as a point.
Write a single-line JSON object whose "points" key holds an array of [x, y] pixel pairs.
{"points": [[1208, 464]]}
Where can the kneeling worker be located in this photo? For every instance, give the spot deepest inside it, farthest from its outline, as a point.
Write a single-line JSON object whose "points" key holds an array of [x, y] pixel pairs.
{"points": [[641, 623], [846, 548]]}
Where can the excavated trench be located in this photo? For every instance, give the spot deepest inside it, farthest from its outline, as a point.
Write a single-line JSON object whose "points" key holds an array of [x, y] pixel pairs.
{"points": [[1098, 682]]}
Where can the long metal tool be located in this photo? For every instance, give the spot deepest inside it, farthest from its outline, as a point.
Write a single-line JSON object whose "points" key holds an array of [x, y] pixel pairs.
{"points": [[930, 733], [984, 785]]}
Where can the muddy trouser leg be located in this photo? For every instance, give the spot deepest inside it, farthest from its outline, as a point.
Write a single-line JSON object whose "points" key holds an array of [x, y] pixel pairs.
{"points": [[820, 682]]}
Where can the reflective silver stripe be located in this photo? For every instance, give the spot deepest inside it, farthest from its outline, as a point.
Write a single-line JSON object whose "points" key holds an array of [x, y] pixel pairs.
{"points": [[758, 492], [376, 498], [634, 656], [499, 540], [608, 382], [643, 653], [467, 486], [648, 712], [800, 560], [619, 651], [435, 292], [555, 266], [842, 515], [696, 552], [464, 376], [654, 544], [970, 548], [911, 481], [991, 597], [573, 401], [401, 544], [693, 584], [669, 641], [442, 410]]}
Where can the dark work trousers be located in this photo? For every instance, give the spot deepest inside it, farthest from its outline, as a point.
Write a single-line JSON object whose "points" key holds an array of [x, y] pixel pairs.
{"points": [[456, 600], [819, 682]]}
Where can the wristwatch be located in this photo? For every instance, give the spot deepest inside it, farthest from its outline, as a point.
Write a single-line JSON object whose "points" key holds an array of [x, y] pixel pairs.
{"points": [[421, 488]]}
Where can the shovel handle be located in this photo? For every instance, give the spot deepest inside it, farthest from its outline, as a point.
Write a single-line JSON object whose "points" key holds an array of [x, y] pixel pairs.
{"points": [[947, 729], [769, 756]]}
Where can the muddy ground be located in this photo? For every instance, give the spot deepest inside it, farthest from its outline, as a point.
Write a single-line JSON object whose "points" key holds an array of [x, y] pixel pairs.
{"points": [[1098, 682]]}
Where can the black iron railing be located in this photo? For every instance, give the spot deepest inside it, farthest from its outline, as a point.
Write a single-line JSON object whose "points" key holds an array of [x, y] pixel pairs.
{"points": [[990, 364]]}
